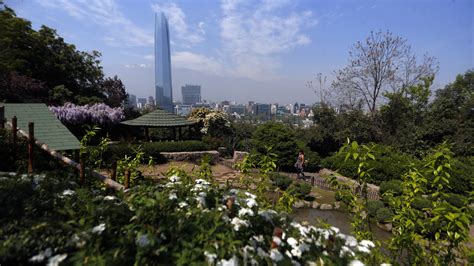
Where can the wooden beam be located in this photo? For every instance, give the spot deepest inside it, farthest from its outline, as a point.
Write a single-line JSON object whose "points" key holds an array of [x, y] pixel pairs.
{"points": [[31, 145]]}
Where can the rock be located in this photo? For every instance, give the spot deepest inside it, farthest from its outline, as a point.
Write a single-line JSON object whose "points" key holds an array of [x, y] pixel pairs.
{"points": [[386, 226], [316, 205], [239, 155], [337, 205], [326, 206], [307, 203], [299, 204]]}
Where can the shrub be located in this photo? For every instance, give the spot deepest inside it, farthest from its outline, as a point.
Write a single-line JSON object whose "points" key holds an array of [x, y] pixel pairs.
{"points": [[383, 215], [389, 164], [456, 200], [395, 186], [373, 206], [281, 181], [153, 149], [421, 203], [300, 190], [462, 177], [282, 140]]}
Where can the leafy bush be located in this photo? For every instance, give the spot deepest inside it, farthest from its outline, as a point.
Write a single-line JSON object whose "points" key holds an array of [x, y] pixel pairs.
{"points": [[180, 222], [456, 200], [282, 140], [389, 164], [383, 215], [373, 206], [118, 151], [395, 186], [280, 180], [462, 180], [421, 203], [300, 189]]}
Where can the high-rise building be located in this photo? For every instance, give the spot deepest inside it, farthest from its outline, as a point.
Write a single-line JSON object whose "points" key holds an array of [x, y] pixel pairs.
{"points": [[131, 101], [163, 88], [141, 102], [191, 94]]}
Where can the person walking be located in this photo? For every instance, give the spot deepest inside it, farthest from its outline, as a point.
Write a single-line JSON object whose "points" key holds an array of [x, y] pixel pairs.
{"points": [[299, 165]]}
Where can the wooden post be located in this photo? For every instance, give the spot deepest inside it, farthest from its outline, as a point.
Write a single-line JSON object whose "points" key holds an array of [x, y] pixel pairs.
{"points": [[2, 117], [14, 131], [312, 180], [31, 144], [113, 176], [147, 135], [127, 179], [82, 169]]}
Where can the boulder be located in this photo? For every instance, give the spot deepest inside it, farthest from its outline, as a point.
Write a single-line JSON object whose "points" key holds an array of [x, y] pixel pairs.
{"points": [[315, 205], [299, 204], [326, 206], [385, 226]]}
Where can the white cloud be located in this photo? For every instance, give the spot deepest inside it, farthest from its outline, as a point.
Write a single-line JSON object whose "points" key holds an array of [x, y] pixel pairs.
{"points": [[253, 34], [177, 22], [106, 14], [137, 65], [197, 62], [149, 57]]}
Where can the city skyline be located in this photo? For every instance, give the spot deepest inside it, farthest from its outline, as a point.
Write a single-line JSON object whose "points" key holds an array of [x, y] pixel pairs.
{"points": [[256, 50]]}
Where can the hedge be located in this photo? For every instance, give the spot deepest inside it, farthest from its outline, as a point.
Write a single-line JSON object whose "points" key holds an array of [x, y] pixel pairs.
{"points": [[117, 151]]}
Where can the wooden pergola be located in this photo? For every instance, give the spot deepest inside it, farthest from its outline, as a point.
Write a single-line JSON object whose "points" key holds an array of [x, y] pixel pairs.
{"points": [[162, 119]]}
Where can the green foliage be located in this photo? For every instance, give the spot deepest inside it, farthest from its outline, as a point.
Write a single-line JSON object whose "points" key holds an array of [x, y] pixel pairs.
{"points": [[390, 164], [280, 180], [383, 215], [456, 200], [116, 151], [282, 140], [42, 57], [394, 186], [181, 222], [421, 203], [130, 163], [300, 189], [373, 206]]}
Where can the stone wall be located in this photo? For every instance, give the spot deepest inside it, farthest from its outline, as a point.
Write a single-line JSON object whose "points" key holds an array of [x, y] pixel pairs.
{"points": [[193, 156], [239, 156]]}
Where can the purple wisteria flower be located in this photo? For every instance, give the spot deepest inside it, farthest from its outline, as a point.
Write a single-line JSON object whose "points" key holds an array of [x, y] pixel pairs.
{"points": [[99, 113]]}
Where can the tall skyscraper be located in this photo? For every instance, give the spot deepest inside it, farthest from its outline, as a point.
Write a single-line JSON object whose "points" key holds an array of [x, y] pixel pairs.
{"points": [[191, 94], [163, 87]]}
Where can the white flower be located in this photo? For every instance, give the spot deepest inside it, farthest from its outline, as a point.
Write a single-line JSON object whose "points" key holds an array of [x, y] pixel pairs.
{"points": [[351, 241], [201, 198], [110, 198], [385, 264], [182, 204], [363, 249], [41, 255], [172, 196], [248, 194], [245, 211], [68, 192], [202, 182], [367, 243], [233, 191], [261, 252], [174, 178], [335, 229], [258, 238], [267, 214], [276, 240], [251, 202], [142, 241], [238, 223], [292, 241], [356, 263], [78, 241], [98, 229], [210, 257], [345, 250], [275, 255], [234, 261], [54, 261]]}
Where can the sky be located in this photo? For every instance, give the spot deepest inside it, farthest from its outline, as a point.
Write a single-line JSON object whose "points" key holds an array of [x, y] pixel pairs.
{"points": [[253, 50]]}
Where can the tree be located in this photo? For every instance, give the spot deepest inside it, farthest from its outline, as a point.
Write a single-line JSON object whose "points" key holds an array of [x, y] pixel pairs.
{"points": [[384, 62], [44, 56], [115, 92], [282, 140]]}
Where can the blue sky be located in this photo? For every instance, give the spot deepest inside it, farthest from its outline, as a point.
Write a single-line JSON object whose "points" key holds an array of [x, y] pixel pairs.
{"points": [[263, 50]]}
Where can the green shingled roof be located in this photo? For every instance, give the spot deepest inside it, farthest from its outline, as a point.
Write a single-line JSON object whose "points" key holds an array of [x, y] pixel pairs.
{"points": [[159, 118], [48, 129]]}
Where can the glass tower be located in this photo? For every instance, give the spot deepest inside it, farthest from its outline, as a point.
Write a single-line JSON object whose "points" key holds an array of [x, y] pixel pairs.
{"points": [[163, 88]]}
